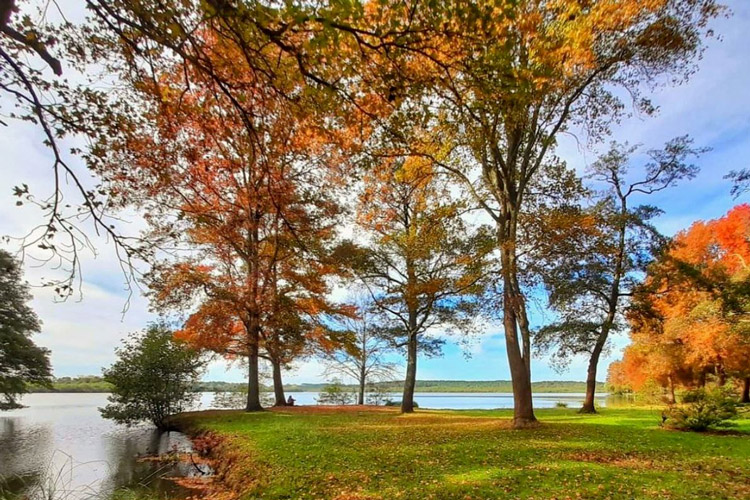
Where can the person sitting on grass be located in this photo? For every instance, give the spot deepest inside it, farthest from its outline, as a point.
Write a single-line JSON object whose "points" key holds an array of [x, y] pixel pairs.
{"points": [[290, 401]]}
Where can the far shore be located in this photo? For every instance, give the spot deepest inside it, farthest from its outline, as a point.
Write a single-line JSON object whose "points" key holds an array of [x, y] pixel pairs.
{"points": [[94, 384]]}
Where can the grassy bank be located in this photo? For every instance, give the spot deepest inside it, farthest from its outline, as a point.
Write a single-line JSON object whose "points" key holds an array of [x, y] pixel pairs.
{"points": [[348, 454]]}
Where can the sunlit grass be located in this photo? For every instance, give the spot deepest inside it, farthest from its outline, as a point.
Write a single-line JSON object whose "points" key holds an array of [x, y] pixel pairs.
{"points": [[619, 453]]}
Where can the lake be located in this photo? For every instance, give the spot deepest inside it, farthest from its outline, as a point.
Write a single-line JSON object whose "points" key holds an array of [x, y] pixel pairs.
{"points": [[59, 442], [471, 400]]}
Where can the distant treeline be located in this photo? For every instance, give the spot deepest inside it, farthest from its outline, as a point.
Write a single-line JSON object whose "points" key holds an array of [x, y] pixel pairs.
{"points": [[75, 384], [97, 384]]}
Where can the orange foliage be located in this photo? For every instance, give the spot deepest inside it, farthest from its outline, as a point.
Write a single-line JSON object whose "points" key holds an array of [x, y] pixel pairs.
{"points": [[684, 328], [242, 186]]}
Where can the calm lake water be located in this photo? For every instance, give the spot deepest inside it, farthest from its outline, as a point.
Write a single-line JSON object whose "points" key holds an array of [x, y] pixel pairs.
{"points": [[471, 401], [60, 442]]}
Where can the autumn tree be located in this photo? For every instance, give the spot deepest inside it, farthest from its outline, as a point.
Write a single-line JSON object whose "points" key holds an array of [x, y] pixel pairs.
{"points": [[652, 360], [122, 39], [364, 360], [689, 321], [529, 71], [234, 201], [424, 267], [301, 320], [593, 269]]}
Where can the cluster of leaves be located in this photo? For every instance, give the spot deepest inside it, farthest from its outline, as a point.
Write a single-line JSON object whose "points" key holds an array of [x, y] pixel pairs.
{"points": [[702, 409]]}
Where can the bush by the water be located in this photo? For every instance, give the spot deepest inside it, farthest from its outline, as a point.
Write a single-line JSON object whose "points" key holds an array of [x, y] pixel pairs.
{"points": [[152, 379], [398, 403], [237, 400], [376, 394], [702, 409], [335, 394]]}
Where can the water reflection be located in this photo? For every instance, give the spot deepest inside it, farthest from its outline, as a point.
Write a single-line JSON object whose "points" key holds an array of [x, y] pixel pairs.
{"points": [[24, 449], [60, 442], [124, 451]]}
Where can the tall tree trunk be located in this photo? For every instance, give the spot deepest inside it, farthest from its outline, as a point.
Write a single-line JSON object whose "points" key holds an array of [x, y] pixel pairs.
{"points": [[518, 355], [362, 381], [407, 400], [278, 384], [253, 322], [745, 391], [672, 398], [722, 375], [253, 380], [588, 402], [363, 366], [523, 407], [609, 321]]}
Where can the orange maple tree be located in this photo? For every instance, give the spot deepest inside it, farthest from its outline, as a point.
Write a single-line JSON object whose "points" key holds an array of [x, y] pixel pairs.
{"points": [[690, 321], [240, 202]]}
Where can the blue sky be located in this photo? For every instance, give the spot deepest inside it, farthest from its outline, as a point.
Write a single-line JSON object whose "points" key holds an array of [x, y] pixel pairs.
{"points": [[713, 107]]}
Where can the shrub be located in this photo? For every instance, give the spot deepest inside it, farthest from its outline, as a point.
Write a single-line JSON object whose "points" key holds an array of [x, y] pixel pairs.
{"points": [[561, 404], [237, 400], [652, 393], [376, 394], [700, 410], [398, 403], [152, 379], [335, 394]]}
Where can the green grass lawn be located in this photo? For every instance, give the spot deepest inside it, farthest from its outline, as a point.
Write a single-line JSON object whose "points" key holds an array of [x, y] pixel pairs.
{"points": [[619, 453]]}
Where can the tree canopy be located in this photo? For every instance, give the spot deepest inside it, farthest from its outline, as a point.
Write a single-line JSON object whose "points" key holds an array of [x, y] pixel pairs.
{"points": [[254, 137], [21, 361]]}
